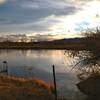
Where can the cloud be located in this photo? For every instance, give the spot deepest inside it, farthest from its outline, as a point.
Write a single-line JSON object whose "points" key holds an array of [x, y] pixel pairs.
{"points": [[46, 15], [41, 25], [2, 2], [56, 7], [27, 11], [45, 4]]}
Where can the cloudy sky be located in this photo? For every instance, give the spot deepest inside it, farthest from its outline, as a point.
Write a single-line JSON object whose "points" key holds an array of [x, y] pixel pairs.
{"points": [[66, 17]]}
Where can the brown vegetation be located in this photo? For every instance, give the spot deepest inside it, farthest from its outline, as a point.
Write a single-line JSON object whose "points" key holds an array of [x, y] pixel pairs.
{"points": [[14, 88], [92, 40], [91, 65]]}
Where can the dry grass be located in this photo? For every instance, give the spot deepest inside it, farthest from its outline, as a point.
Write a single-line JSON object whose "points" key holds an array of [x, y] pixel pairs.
{"points": [[14, 88]]}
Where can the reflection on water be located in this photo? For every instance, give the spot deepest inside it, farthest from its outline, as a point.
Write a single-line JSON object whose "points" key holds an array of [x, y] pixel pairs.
{"points": [[38, 63]]}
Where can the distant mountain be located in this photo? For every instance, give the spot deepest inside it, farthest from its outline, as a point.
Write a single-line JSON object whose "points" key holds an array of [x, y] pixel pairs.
{"points": [[70, 40]]}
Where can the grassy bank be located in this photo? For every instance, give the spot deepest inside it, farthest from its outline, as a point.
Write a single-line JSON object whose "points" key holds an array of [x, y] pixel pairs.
{"points": [[14, 88]]}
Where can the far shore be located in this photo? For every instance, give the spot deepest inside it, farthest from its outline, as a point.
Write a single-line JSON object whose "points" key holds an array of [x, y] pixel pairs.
{"points": [[42, 45]]}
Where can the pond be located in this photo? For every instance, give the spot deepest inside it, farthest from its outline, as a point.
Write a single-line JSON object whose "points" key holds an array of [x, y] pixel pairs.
{"points": [[38, 64]]}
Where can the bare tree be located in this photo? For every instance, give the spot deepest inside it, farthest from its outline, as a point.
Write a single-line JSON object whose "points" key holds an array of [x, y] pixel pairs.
{"points": [[89, 61]]}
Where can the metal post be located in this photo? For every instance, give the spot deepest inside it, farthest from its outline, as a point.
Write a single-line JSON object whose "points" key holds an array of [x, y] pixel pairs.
{"points": [[5, 67], [54, 77]]}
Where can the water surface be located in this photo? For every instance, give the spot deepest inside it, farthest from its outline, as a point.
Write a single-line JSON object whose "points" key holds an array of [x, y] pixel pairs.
{"points": [[38, 63]]}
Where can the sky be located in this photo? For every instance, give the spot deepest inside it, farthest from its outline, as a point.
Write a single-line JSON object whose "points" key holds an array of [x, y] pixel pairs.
{"points": [[64, 18]]}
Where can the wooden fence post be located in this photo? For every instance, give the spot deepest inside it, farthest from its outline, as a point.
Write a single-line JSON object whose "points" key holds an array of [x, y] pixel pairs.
{"points": [[54, 77]]}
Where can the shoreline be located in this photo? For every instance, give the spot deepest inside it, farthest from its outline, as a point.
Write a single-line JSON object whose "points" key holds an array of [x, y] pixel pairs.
{"points": [[39, 46]]}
